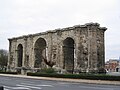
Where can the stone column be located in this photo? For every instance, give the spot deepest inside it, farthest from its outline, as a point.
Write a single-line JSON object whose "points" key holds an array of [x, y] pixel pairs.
{"points": [[101, 48], [50, 44], [82, 49], [24, 55], [76, 50], [15, 57], [92, 47], [32, 58], [76, 68], [9, 56]]}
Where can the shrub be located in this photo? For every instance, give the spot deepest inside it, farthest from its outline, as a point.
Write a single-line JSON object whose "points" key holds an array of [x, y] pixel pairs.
{"points": [[102, 71], [78, 76], [47, 70], [2, 72]]}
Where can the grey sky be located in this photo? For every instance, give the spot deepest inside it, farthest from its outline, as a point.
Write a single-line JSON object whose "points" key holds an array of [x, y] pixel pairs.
{"points": [[22, 17]]}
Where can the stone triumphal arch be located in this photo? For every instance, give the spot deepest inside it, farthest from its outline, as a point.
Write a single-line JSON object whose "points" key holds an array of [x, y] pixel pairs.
{"points": [[74, 49]]}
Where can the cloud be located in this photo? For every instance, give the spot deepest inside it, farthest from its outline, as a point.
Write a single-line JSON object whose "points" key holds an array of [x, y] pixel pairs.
{"points": [[21, 17]]}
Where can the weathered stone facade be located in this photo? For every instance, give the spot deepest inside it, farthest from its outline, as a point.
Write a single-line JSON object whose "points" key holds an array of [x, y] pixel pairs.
{"points": [[77, 48]]}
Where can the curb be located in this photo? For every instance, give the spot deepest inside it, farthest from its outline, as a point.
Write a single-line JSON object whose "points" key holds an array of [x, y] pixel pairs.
{"points": [[66, 79]]}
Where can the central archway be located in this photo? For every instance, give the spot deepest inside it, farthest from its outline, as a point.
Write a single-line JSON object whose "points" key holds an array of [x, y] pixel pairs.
{"points": [[39, 52], [68, 52]]}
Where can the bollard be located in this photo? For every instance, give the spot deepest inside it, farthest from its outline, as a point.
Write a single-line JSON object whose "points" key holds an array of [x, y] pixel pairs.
{"points": [[1, 88]]}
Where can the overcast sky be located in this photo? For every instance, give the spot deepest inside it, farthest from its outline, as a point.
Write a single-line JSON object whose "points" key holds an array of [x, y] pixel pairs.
{"points": [[22, 17]]}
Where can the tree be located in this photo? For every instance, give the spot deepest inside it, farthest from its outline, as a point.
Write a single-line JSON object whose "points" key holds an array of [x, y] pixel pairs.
{"points": [[49, 63], [3, 59]]}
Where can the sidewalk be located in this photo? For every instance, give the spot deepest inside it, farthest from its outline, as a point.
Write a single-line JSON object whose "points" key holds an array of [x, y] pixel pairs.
{"points": [[67, 80]]}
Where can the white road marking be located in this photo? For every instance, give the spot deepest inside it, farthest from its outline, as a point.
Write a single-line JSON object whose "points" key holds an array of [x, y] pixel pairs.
{"points": [[64, 84], [23, 88], [8, 88], [28, 86], [44, 85]]}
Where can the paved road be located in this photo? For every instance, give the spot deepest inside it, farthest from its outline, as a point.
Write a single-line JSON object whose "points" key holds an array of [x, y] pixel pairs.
{"points": [[17, 83]]}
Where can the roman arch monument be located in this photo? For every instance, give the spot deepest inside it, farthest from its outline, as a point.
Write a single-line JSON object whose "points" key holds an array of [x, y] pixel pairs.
{"points": [[78, 48]]}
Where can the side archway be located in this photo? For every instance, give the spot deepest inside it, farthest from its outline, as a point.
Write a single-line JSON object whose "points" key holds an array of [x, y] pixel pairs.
{"points": [[20, 58], [39, 52], [68, 52], [20, 55]]}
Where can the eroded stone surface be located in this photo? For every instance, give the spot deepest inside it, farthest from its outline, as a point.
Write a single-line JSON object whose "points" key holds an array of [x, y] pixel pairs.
{"points": [[79, 48]]}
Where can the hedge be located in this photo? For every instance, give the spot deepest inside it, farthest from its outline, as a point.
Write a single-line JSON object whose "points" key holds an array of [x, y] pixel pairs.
{"points": [[2, 72], [78, 76]]}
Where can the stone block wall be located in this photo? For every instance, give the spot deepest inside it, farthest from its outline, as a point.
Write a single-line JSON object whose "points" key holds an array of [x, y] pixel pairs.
{"points": [[78, 48]]}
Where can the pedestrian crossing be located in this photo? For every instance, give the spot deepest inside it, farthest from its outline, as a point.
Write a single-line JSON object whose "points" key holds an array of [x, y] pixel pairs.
{"points": [[16, 88], [27, 86]]}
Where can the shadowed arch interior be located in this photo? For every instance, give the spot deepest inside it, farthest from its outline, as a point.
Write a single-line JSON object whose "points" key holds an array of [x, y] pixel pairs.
{"points": [[39, 51], [68, 50], [20, 55]]}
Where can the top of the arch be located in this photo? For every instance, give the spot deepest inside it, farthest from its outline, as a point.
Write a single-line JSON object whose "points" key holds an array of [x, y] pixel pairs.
{"points": [[87, 25]]}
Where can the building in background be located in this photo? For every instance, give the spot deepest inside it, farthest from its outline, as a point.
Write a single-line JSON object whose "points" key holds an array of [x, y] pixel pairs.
{"points": [[113, 65]]}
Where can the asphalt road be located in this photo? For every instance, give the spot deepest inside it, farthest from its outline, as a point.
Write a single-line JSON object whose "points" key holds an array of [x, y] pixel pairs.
{"points": [[16, 83]]}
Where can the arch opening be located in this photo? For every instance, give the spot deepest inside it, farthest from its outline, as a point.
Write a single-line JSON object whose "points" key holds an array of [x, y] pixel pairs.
{"points": [[20, 58], [68, 52], [20, 55], [39, 52]]}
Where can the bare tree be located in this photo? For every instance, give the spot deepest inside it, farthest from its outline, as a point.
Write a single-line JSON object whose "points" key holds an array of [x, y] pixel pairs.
{"points": [[3, 59], [49, 63]]}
